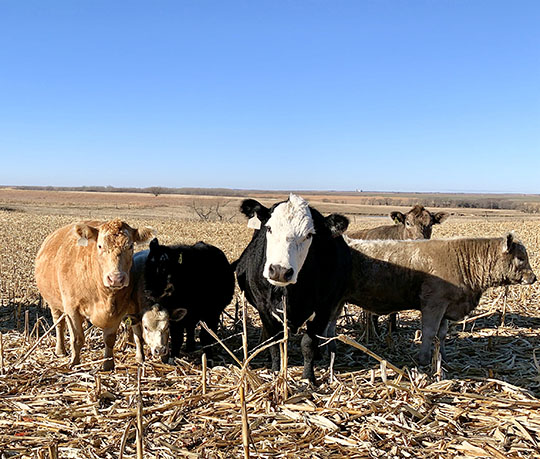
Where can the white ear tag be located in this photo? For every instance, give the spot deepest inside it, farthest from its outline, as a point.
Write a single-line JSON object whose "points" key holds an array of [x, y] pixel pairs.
{"points": [[254, 223], [83, 242]]}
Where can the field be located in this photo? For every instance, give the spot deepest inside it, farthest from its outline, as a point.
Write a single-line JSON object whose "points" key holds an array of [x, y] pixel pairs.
{"points": [[484, 403]]}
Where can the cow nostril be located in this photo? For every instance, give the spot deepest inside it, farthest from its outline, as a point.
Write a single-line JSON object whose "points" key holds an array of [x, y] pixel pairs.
{"points": [[272, 271], [288, 274]]}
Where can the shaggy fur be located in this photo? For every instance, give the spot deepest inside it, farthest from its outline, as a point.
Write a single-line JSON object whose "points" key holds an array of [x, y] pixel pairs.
{"points": [[444, 279]]}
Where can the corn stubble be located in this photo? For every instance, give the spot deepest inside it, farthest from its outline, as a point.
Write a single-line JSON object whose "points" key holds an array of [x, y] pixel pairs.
{"points": [[485, 405]]}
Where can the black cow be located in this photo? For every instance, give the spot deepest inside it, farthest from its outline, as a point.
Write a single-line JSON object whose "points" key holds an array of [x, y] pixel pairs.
{"points": [[184, 284], [299, 255]]}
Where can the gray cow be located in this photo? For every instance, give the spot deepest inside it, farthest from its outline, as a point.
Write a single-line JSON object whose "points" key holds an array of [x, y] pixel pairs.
{"points": [[444, 279], [415, 224]]}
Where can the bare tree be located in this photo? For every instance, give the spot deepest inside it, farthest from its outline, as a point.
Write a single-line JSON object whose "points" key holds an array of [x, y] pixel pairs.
{"points": [[210, 210]]}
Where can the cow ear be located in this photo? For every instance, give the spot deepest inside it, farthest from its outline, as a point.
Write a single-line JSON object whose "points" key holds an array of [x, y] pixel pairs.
{"points": [[251, 208], [178, 314], [440, 217], [337, 224], [132, 319], [397, 217], [85, 233], [154, 244], [143, 234], [509, 242]]}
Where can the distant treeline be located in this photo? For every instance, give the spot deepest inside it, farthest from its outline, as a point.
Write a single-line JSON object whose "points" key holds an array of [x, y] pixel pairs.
{"points": [[470, 202], [524, 203], [155, 190]]}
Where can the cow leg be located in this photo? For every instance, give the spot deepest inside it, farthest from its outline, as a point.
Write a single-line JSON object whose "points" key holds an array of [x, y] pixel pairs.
{"points": [[177, 337], [190, 336], [206, 338], [310, 343], [60, 332], [431, 323], [392, 323], [443, 329], [331, 333], [271, 331], [76, 334], [139, 342], [109, 338], [275, 356]]}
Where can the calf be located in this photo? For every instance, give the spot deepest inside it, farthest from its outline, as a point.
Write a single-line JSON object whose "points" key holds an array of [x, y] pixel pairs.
{"points": [[85, 270], [299, 255], [444, 279], [184, 284], [415, 224]]}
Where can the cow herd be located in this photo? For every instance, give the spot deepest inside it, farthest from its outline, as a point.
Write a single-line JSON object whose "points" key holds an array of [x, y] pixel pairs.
{"points": [[297, 259]]}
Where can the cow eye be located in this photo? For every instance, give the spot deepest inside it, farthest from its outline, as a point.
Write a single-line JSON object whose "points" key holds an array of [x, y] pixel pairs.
{"points": [[408, 223], [309, 236], [99, 246]]}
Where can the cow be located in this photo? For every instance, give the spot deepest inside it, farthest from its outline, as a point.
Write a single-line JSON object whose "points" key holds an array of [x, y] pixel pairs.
{"points": [[85, 271], [298, 255], [184, 284], [415, 224], [443, 279]]}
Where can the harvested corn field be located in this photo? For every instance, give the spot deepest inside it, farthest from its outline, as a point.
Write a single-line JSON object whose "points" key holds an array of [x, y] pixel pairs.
{"points": [[485, 403]]}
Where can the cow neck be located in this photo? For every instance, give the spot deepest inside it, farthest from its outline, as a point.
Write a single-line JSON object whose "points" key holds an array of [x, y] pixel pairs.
{"points": [[477, 262], [114, 297]]}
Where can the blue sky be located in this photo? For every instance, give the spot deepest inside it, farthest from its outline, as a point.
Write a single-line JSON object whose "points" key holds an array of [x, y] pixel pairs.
{"points": [[280, 94]]}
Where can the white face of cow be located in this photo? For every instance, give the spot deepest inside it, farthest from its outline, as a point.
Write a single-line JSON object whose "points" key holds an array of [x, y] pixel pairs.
{"points": [[289, 234], [155, 328]]}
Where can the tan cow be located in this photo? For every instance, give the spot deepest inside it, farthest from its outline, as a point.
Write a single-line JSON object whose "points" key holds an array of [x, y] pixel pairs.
{"points": [[85, 270], [415, 224], [444, 279]]}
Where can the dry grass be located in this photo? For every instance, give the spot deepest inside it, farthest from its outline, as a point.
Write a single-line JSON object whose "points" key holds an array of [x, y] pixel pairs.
{"points": [[485, 405]]}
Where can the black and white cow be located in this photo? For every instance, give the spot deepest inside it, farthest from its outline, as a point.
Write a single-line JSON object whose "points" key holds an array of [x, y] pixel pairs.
{"points": [[298, 254], [184, 284]]}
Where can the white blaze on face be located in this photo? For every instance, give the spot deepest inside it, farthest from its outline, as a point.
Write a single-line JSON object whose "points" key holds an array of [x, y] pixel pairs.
{"points": [[155, 325], [288, 239]]}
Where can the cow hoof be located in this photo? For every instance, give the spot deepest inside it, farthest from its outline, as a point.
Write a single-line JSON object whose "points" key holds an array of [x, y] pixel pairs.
{"points": [[108, 365], [309, 375], [60, 353]]}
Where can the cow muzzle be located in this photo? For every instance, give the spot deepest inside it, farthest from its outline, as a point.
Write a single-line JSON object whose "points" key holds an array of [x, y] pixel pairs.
{"points": [[116, 280], [280, 275], [528, 278], [160, 351]]}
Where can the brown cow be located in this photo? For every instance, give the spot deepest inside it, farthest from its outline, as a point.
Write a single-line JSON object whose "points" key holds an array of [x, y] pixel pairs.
{"points": [[415, 224], [444, 279], [85, 270]]}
